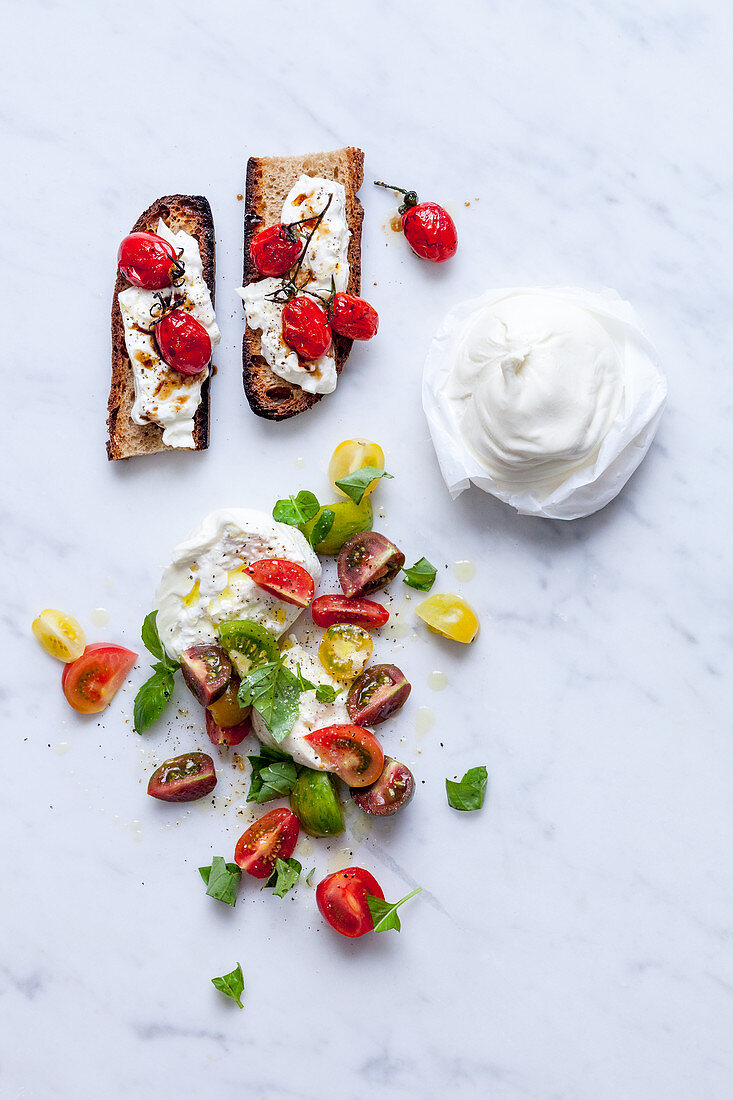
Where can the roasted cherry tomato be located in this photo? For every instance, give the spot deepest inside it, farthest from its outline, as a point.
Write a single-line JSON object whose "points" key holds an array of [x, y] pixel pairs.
{"points": [[183, 342], [59, 634], [226, 711], [274, 251], [148, 261], [428, 227], [449, 615], [305, 328], [207, 671], [273, 836], [327, 610], [282, 578], [184, 778], [341, 900], [348, 519], [353, 455], [353, 317], [377, 694], [351, 752], [226, 735], [367, 562], [92, 680], [345, 650], [393, 790]]}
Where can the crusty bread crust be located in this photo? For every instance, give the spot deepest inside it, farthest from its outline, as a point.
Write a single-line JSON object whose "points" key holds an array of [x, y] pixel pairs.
{"points": [[127, 439], [269, 179]]}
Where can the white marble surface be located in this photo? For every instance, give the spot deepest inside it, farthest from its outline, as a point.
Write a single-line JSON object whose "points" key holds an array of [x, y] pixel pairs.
{"points": [[574, 939]]}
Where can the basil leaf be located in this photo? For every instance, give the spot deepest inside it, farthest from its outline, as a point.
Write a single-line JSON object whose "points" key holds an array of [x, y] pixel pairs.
{"points": [[384, 913], [296, 509], [151, 641], [468, 794], [231, 985], [356, 484], [305, 685], [266, 784], [309, 876], [421, 575], [284, 877], [152, 699], [322, 527], [222, 880], [274, 692], [325, 693]]}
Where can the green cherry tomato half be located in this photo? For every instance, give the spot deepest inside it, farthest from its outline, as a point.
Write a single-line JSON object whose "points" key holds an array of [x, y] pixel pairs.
{"points": [[349, 519]]}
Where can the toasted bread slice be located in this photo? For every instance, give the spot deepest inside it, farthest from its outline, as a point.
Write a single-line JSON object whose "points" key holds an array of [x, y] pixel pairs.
{"points": [[127, 439], [269, 179]]}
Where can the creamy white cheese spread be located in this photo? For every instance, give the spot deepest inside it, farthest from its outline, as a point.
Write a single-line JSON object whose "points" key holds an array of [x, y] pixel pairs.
{"points": [[164, 396], [326, 258]]}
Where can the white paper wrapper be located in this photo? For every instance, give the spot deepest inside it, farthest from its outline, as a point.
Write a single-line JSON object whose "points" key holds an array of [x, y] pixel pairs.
{"points": [[584, 491]]}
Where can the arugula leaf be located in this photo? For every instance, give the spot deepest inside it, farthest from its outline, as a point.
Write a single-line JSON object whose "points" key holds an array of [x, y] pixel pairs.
{"points": [[384, 913], [296, 509], [421, 575], [274, 692], [284, 877], [152, 698], [309, 876], [468, 794], [322, 527], [231, 985], [326, 694], [222, 880], [356, 484]]}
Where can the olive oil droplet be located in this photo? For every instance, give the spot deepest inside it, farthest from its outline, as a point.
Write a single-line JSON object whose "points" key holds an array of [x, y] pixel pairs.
{"points": [[424, 719], [464, 570], [99, 616], [437, 680]]}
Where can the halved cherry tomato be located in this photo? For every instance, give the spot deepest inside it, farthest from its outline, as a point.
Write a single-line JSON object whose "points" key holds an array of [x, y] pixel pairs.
{"points": [[273, 836], [351, 752], [148, 261], [341, 900], [377, 694], [327, 610], [185, 778], [305, 328], [183, 342], [59, 634], [226, 735], [92, 680], [282, 578], [274, 251], [352, 455], [226, 711], [353, 317], [345, 650], [449, 615], [368, 562]]}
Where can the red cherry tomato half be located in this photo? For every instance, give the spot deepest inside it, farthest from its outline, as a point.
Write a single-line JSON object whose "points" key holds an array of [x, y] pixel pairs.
{"points": [[148, 261], [351, 752], [430, 232], [354, 317], [92, 680], [284, 579], [226, 735], [183, 342], [305, 328], [327, 610], [273, 836], [341, 900], [274, 251]]}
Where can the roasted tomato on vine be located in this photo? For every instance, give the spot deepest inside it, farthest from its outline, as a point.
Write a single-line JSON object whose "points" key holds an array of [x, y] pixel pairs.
{"points": [[148, 261], [273, 251], [273, 836], [283, 578], [353, 317], [428, 227], [92, 680], [352, 753], [183, 342], [341, 900], [305, 328], [368, 562], [327, 610]]}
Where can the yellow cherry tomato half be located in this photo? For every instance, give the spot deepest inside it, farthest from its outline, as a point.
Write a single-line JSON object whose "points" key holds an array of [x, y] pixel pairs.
{"points": [[449, 615], [353, 455], [59, 634], [226, 710], [345, 651]]}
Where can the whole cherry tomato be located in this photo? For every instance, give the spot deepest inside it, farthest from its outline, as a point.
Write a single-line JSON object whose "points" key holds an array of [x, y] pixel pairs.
{"points": [[148, 261], [428, 227], [342, 900], [305, 328], [353, 317], [274, 251], [183, 342], [273, 836], [327, 610], [92, 680], [285, 579]]}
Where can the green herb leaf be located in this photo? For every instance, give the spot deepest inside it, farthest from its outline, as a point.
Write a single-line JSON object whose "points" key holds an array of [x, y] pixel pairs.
{"points": [[384, 913], [296, 509], [222, 880], [421, 575], [284, 877], [468, 794], [152, 698], [309, 876], [274, 692], [325, 693], [305, 684], [356, 484], [231, 985], [322, 527], [151, 641]]}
